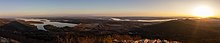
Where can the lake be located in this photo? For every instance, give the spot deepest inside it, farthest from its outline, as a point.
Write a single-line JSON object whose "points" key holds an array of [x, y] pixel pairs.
{"points": [[47, 22]]}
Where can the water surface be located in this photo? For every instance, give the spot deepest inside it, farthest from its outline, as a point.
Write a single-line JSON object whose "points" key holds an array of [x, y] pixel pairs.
{"points": [[47, 22]]}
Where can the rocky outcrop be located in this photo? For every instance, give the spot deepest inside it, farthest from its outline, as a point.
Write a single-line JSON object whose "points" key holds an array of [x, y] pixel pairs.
{"points": [[145, 41], [8, 40]]}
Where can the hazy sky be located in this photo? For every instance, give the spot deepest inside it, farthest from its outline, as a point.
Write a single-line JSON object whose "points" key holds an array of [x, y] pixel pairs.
{"points": [[102, 7]]}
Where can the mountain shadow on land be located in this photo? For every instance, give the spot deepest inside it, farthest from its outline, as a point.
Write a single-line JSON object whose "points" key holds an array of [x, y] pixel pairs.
{"points": [[188, 31]]}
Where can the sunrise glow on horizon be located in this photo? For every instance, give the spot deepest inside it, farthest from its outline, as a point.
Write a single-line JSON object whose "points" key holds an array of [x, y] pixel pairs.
{"points": [[203, 11], [188, 8]]}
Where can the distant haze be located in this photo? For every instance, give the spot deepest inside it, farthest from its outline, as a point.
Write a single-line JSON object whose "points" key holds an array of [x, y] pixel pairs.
{"points": [[17, 8]]}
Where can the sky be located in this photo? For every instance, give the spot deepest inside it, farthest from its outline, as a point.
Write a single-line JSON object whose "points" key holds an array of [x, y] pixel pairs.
{"points": [[15, 8]]}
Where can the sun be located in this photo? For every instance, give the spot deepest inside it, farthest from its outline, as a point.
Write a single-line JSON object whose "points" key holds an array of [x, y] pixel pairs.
{"points": [[203, 11]]}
